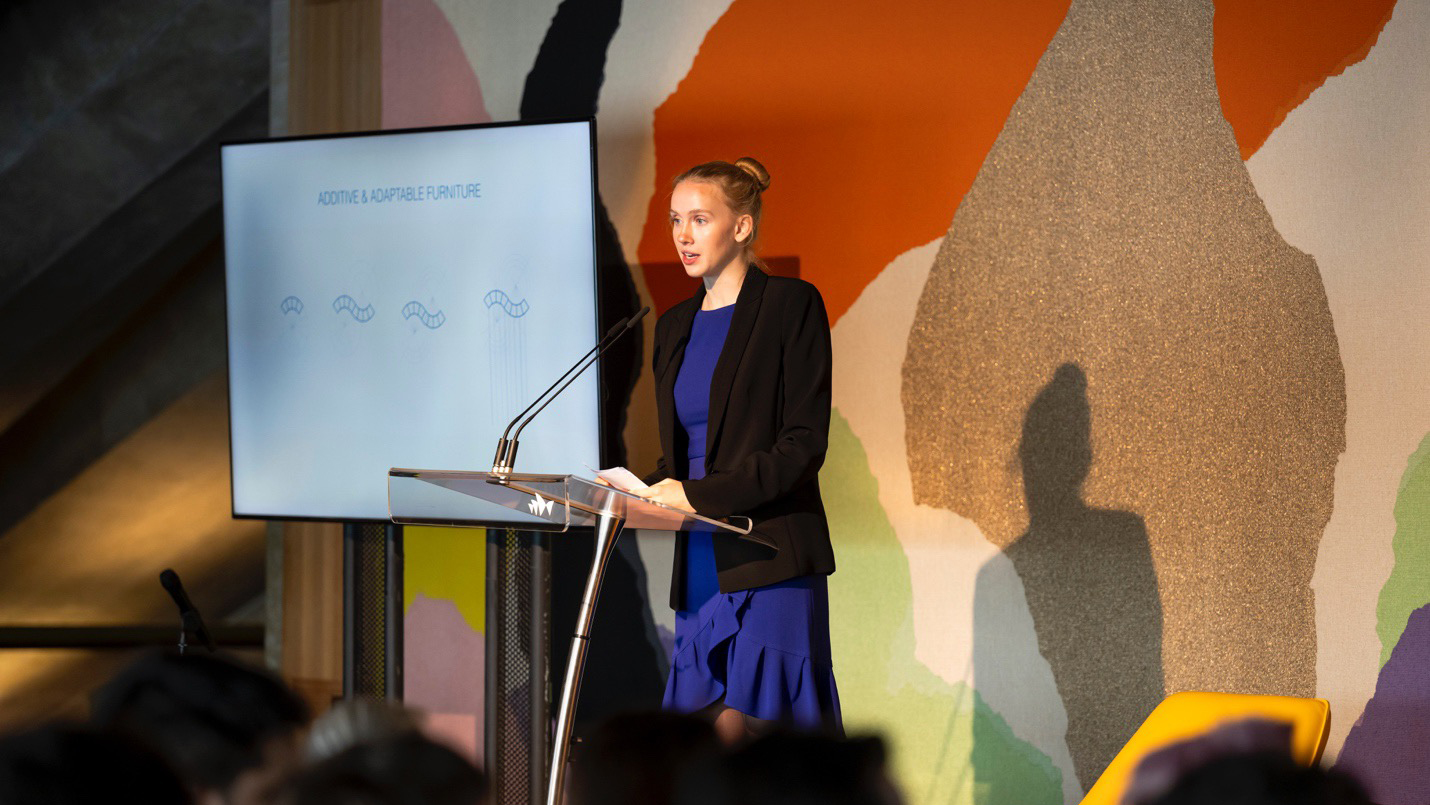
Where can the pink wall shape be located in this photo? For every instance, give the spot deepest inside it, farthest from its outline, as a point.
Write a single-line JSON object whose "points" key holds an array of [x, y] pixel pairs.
{"points": [[426, 77], [444, 669]]}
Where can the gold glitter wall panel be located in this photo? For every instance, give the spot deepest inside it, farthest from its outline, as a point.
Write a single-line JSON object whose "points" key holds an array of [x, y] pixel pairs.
{"points": [[1130, 382]]}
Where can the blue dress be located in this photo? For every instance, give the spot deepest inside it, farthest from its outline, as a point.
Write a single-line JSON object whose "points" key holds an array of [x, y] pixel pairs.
{"points": [[764, 651]]}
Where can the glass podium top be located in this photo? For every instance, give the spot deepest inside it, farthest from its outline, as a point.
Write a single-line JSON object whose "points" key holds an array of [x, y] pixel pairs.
{"points": [[533, 502]]}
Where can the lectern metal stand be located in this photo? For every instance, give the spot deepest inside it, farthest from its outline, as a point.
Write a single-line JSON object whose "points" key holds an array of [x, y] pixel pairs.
{"points": [[543, 503]]}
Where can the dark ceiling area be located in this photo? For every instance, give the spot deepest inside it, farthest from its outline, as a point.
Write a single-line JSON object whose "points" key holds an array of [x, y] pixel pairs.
{"points": [[113, 412]]}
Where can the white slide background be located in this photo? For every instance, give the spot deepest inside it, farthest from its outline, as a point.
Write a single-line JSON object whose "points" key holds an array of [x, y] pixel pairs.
{"points": [[325, 400]]}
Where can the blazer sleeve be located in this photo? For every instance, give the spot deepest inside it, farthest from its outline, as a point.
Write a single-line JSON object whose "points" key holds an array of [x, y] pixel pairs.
{"points": [[660, 474], [803, 437]]}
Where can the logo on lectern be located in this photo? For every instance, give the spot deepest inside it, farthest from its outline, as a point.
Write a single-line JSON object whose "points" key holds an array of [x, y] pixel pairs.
{"points": [[540, 506]]}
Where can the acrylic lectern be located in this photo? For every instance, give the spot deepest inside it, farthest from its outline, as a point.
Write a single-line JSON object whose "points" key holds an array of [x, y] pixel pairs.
{"points": [[554, 503]]}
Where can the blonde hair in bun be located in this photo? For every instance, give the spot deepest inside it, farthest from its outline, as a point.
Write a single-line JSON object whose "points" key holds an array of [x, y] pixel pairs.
{"points": [[741, 182], [753, 167]]}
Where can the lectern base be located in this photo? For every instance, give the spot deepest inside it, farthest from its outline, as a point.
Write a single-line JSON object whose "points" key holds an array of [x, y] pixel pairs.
{"points": [[607, 529]]}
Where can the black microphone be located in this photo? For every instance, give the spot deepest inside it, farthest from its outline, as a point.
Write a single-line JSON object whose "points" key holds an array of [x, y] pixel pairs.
{"points": [[506, 448], [188, 613]]}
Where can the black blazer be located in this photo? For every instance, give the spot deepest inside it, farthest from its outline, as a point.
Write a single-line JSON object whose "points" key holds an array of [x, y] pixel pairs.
{"points": [[768, 432]]}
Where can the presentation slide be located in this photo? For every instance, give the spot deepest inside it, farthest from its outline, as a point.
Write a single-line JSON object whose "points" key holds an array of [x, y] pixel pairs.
{"points": [[395, 299]]}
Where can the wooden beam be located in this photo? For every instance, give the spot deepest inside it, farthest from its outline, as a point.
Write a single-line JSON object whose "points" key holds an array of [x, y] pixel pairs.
{"points": [[335, 66], [334, 85], [313, 611], [106, 636]]}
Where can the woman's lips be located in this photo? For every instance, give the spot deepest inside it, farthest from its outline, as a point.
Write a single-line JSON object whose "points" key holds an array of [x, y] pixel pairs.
{"points": [[689, 258]]}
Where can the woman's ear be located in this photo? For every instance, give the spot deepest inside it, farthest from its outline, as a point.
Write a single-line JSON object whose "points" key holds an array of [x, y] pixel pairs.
{"points": [[743, 227]]}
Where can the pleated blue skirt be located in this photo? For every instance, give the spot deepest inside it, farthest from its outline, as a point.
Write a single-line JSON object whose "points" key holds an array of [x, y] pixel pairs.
{"points": [[764, 651]]}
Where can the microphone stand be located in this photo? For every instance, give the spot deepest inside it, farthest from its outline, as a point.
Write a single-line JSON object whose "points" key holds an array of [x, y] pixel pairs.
{"points": [[190, 621]]}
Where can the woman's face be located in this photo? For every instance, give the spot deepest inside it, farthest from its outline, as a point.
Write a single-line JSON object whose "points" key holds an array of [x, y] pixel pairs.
{"points": [[708, 234]]}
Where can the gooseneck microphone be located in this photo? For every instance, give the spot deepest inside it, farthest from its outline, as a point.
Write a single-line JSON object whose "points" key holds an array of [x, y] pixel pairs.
{"points": [[506, 447], [501, 462], [190, 620]]}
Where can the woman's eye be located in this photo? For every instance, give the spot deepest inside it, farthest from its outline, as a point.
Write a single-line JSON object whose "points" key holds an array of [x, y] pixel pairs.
{"points": [[700, 220]]}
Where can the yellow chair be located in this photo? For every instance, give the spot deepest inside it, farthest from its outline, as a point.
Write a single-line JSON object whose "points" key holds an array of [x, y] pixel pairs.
{"points": [[1187, 715]]}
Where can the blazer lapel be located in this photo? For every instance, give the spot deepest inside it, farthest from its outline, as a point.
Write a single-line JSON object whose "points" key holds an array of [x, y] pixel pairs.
{"points": [[742, 323]]}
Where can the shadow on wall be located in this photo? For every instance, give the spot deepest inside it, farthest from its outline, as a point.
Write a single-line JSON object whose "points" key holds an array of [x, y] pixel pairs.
{"points": [[1088, 577], [626, 669]]}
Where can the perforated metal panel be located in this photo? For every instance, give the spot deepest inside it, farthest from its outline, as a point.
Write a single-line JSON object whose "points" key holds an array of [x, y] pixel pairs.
{"points": [[372, 610], [518, 718]]}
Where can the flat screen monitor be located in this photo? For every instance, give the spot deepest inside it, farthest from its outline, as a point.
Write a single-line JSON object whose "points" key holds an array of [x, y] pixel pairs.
{"points": [[395, 298]]}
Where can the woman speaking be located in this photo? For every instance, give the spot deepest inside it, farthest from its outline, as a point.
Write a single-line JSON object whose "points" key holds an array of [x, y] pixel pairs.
{"points": [[742, 374]]}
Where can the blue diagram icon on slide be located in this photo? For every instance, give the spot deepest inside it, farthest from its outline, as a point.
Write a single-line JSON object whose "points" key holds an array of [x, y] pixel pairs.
{"points": [[429, 320], [291, 304], [350, 304], [514, 309]]}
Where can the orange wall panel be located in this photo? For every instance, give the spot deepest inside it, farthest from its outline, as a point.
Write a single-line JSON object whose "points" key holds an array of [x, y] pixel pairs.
{"points": [[1272, 54], [872, 125]]}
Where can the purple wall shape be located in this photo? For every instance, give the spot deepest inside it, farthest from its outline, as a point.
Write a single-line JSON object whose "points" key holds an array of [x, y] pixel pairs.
{"points": [[1389, 747]]}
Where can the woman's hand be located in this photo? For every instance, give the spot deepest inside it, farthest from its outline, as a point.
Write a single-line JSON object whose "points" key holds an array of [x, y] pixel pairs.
{"points": [[670, 492]]}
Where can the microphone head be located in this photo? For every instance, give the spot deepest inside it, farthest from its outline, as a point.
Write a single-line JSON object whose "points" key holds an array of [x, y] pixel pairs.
{"points": [[169, 579], [640, 315], [618, 327]]}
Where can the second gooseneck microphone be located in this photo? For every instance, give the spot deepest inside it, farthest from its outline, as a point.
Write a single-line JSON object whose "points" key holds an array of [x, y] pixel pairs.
{"points": [[506, 447]]}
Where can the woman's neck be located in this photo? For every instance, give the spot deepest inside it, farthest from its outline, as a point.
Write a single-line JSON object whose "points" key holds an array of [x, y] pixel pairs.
{"points": [[724, 288]]}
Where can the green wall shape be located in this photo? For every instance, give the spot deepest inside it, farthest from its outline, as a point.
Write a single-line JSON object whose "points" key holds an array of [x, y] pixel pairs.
{"points": [[450, 564], [948, 745], [1408, 587]]}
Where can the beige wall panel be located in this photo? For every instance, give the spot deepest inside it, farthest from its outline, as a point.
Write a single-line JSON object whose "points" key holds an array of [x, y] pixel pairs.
{"points": [[1347, 180]]}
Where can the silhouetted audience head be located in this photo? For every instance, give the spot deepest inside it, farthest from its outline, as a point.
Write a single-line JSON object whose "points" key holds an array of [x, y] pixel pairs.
{"points": [[1159, 770], [357, 721], [795, 769], [63, 764], [1263, 778], [404, 769], [231, 731], [636, 758], [1243, 762]]}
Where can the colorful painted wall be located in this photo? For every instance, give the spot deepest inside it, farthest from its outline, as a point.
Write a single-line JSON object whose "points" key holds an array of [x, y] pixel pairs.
{"points": [[1129, 303], [444, 627]]}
